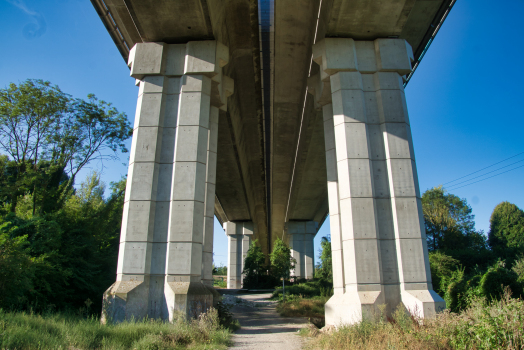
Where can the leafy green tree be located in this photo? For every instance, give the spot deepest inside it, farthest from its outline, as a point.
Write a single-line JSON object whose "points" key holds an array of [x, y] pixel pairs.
{"points": [[506, 228], [74, 249], [325, 270], [16, 270], [449, 221], [254, 266], [48, 137], [281, 260]]}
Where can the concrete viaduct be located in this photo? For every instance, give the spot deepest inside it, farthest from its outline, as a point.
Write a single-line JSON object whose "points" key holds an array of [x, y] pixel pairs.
{"points": [[272, 115]]}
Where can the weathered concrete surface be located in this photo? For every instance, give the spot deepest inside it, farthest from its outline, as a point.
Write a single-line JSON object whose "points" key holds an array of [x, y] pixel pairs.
{"points": [[262, 327]]}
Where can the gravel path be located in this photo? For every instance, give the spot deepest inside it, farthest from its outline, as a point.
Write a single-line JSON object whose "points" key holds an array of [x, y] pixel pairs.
{"points": [[261, 327]]}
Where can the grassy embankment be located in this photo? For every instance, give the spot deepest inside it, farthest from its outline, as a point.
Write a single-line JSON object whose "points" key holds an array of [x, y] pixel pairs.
{"points": [[20, 331], [496, 325], [303, 299], [483, 325]]}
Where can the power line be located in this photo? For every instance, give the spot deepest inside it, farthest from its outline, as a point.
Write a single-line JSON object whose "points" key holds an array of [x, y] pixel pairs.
{"points": [[507, 171], [502, 161], [489, 172]]}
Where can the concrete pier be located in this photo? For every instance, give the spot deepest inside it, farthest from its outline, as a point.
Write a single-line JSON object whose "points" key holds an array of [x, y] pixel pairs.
{"points": [[239, 235], [301, 235], [162, 253], [378, 238]]}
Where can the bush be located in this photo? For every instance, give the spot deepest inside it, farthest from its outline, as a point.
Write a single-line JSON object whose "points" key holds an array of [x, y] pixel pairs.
{"points": [[496, 279], [310, 289]]}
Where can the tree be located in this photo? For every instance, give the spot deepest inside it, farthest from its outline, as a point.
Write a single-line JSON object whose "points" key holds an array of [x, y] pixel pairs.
{"points": [[506, 229], [16, 270], [254, 265], [48, 137], [449, 221], [281, 260], [325, 270]]}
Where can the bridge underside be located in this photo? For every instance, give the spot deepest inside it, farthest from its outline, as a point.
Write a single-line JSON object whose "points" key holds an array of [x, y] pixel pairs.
{"points": [[271, 151]]}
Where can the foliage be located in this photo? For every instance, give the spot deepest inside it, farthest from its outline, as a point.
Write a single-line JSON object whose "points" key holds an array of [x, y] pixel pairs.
{"points": [[482, 326], [68, 331], [16, 269], [449, 221], [281, 260], [518, 268], [225, 316], [506, 227], [47, 137], [442, 267], [325, 270], [312, 288], [496, 279], [219, 270], [72, 252], [255, 269], [220, 283]]}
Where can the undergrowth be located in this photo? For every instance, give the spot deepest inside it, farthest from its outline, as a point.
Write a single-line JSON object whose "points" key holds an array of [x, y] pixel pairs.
{"points": [[295, 306], [495, 325], [21, 331]]}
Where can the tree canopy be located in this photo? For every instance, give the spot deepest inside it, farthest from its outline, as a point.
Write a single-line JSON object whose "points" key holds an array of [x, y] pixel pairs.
{"points": [[281, 260], [449, 221], [506, 227], [47, 137]]}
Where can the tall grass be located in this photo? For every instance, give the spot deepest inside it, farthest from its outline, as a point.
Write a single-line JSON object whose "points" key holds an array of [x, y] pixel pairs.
{"points": [[299, 306], [20, 330], [497, 325]]}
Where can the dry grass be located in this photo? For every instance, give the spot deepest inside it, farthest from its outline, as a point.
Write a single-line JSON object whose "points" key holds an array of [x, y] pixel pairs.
{"points": [[496, 326], [295, 306]]}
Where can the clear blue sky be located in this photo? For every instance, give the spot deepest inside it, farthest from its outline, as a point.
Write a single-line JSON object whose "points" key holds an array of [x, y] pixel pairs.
{"points": [[465, 100]]}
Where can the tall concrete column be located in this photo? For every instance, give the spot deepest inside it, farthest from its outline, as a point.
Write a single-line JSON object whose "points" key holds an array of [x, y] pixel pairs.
{"points": [[381, 255], [161, 246], [239, 235], [209, 205], [301, 235]]}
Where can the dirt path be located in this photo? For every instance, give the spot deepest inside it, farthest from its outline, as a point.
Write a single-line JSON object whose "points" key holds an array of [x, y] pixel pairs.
{"points": [[261, 326]]}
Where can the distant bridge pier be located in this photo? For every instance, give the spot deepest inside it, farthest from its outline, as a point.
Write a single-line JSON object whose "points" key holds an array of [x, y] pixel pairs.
{"points": [[377, 228], [171, 177], [238, 241], [301, 235]]}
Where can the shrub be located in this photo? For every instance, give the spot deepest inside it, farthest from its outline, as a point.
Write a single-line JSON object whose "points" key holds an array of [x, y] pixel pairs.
{"points": [[496, 279]]}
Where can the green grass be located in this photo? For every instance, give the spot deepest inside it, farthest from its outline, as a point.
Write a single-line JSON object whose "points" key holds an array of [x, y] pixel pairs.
{"points": [[311, 288], [20, 330], [219, 281]]}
